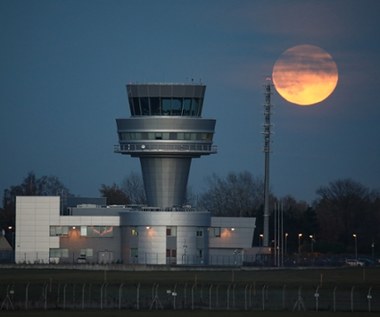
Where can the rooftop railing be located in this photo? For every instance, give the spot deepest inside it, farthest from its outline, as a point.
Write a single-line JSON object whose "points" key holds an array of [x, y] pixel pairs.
{"points": [[161, 147]]}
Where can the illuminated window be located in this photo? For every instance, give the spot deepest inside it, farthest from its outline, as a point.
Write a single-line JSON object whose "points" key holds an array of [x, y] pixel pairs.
{"points": [[134, 232], [83, 231]]}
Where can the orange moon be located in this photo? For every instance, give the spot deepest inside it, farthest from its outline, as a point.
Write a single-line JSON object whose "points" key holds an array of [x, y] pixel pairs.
{"points": [[305, 75]]}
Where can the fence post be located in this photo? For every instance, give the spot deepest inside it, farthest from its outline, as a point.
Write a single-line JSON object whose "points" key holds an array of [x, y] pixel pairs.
{"points": [[83, 287], [217, 296], [283, 297], [209, 297], [316, 295], [245, 297], [369, 298], [228, 296], [26, 296], [45, 291], [101, 295], [192, 296], [352, 298], [233, 295], [334, 299], [64, 296], [263, 296], [184, 296], [120, 293], [138, 297]]}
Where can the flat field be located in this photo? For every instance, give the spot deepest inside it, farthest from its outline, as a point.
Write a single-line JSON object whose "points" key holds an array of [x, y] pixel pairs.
{"points": [[291, 277]]}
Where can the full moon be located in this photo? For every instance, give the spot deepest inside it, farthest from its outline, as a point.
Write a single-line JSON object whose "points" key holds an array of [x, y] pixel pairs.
{"points": [[305, 75]]}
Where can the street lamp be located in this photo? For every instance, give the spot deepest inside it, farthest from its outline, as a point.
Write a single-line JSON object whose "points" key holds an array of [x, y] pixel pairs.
{"points": [[286, 243], [299, 242], [312, 242], [356, 245], [261, 239]]}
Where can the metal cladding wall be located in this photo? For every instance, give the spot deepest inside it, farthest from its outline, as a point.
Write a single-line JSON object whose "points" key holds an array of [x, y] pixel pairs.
{"points": [[151, 241], [165, 180], [165, 131], [165, 164]]}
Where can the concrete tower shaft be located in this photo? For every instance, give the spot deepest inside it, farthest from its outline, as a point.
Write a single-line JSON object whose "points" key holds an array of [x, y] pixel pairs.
{"points": [[165, 131]]}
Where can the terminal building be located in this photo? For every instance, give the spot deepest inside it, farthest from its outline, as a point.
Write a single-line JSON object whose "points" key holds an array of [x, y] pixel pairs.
{"points": [[165, 131]]}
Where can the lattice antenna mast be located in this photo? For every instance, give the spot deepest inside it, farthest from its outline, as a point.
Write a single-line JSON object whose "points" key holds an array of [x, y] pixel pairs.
{"points": [[267, 142]]}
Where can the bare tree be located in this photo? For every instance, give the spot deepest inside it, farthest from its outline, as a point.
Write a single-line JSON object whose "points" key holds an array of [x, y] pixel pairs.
{"points": [[343, 208], [114, 195], [237, 195], [133, 187], [31, 186]]}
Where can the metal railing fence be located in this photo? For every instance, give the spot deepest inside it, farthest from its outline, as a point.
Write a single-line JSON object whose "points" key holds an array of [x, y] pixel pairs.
{"points": [[51, 295]]}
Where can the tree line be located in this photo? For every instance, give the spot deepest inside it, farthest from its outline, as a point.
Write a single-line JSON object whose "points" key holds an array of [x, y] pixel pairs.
{"points": [[341, 209]]}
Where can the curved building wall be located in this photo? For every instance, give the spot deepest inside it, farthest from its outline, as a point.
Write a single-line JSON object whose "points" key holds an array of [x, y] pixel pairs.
{"points": [[165, 237], [165, 146], [165, 180]]}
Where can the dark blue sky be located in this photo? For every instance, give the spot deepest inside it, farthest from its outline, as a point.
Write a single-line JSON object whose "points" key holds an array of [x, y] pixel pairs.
{"points": [[64, 65]]}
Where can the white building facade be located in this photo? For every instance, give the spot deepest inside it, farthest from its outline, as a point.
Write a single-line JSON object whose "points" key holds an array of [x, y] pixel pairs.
{"points": [[100, 234]]}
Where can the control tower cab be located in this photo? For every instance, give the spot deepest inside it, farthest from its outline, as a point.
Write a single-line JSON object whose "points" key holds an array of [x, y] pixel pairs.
{"points": [[165, 131]]}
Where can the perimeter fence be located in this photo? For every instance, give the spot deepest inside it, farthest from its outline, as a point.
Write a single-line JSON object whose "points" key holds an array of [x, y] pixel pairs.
{"points": [[187, 296]]}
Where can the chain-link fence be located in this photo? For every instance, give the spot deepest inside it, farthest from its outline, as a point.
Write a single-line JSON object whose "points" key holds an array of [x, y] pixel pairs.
{"points": [[187, 296]]}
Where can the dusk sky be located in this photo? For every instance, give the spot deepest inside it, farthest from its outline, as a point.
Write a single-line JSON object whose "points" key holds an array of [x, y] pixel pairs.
{"points": [[64, 65]]}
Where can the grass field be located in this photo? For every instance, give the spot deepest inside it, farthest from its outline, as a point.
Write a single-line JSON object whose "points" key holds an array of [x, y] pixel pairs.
{"points": [[307, 277]]}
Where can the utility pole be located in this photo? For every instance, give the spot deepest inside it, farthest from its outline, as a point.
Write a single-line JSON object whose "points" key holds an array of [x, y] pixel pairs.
{"points": [[267, 133]]}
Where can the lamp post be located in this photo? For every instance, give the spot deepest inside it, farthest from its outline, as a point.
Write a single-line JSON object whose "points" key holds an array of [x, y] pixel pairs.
{"points": [[312, 243], [373, 249], [261, 239], [356, 245], [286, 243], [299, 242]]}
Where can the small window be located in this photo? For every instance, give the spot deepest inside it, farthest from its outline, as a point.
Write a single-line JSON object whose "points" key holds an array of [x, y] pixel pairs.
{"points": [[87, 252], [168, 253], [83, 231], [134, 232], [199, 233], [171, 231], [217, 232]]}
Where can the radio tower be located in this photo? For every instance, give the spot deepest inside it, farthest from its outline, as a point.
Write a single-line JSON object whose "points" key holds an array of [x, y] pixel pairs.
{"points": [[267, 133]]}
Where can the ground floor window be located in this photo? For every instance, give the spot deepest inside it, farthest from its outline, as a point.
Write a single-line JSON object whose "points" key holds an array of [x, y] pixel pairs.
{"points": [[58, 253], [87, 252]]}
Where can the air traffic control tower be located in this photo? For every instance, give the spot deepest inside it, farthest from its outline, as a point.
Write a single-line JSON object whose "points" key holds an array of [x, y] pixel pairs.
{"points": [[165, 131]]}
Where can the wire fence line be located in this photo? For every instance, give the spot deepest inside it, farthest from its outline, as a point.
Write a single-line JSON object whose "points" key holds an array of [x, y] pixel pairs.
{"points": [[187, 296]]}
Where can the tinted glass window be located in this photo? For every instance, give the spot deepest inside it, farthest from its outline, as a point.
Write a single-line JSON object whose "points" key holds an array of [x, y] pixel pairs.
{"points": [[136, 107], [145, 106], [155, 106], [166, 106], [176, 107], [186, 106]]}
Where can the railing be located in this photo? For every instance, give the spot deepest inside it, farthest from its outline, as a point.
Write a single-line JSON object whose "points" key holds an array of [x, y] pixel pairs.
{"points": [[193, 148]]}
